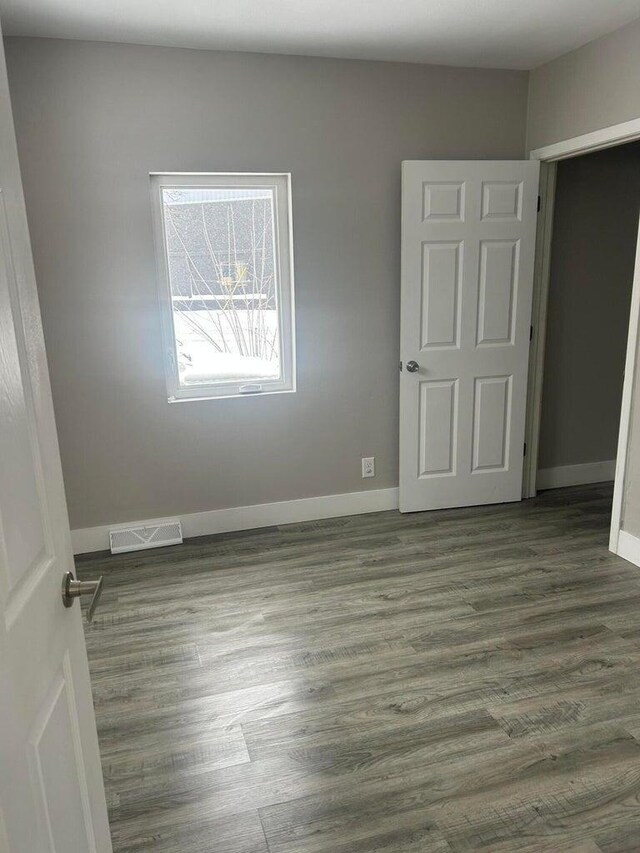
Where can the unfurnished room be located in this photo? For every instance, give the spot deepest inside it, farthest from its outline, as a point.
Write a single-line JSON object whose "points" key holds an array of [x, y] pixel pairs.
{"points": [[319, 331]]}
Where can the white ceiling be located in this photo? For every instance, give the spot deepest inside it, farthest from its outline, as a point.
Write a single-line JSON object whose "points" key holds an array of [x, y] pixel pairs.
{"points": [[482, 33]]}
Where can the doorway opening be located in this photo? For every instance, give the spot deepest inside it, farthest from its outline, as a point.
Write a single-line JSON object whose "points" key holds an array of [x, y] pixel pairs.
{"points": [[585, 318]]}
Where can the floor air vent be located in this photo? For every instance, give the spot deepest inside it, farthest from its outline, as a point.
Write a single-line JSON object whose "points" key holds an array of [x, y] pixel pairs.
{"points": [[150, 536]]}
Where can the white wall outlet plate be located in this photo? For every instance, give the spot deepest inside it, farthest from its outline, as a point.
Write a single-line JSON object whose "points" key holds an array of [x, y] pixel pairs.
{"points": [[368, 466]]}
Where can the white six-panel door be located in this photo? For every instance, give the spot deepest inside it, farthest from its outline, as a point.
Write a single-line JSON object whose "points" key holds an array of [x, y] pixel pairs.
{"points": [[51, 791], [468, 242]]}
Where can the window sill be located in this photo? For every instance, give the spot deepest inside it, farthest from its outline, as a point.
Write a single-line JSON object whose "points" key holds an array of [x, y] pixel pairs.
{"points": [[231, 396]]}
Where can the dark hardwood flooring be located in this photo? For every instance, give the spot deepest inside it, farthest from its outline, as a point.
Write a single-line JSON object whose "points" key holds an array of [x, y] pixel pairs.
{"points": [[447, 681]]}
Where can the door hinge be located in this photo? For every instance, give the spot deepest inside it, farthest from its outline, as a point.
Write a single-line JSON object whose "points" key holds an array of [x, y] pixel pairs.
{"points": [[524, 453], [539, 203], [530, 333]]}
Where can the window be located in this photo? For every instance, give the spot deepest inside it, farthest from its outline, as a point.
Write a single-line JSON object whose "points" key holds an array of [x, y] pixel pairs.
{"points": [[226, 283]]}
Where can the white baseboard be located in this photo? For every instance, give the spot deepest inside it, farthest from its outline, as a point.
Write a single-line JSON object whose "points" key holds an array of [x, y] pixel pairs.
{"points": [[628, 547], [90, 539], [576, 475]]}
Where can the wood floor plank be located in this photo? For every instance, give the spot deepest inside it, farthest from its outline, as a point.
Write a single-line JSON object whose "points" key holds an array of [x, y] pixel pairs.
{"points": [[457, 680]]}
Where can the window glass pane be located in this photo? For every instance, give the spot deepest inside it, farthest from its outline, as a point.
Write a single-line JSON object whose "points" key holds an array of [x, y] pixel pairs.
{"points": [[222, 274]]}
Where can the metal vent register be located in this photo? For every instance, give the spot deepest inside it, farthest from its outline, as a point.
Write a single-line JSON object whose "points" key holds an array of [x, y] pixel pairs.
{"points": [[137, 538]]}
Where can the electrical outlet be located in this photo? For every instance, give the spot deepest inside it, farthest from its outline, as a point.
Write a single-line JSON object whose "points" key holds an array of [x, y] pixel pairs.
{"points": [[368, 466]]}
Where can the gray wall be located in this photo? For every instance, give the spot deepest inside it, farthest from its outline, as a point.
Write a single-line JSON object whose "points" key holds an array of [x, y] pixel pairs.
{"points": [[93, 119], [585, 90], [592, 259]]}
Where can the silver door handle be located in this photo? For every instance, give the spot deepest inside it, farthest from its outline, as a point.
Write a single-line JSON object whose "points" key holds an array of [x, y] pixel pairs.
{"points": [[413, 366], [71, 589]]}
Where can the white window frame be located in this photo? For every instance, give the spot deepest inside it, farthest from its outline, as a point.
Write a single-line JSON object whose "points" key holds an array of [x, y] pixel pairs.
{"points": [[280, 184]]}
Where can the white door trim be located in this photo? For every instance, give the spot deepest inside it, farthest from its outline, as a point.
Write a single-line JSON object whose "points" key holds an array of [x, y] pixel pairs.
{"points": [[606, 137], [625, 410], [629, 548], [539, 303]]}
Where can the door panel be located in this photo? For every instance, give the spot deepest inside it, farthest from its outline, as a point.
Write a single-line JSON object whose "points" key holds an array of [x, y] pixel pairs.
{"points": [[22, 509], [442, 201], [438, 403], [58, 769], [491, 418], [51, 790], [502, 200], [498, 291], [440, 306], [468, 240]]}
